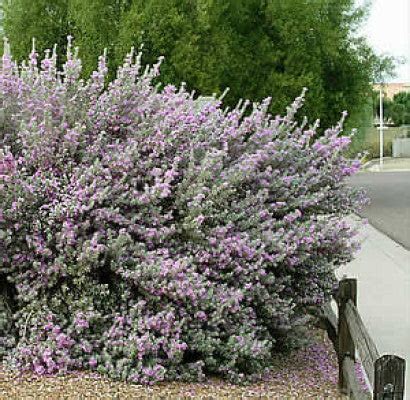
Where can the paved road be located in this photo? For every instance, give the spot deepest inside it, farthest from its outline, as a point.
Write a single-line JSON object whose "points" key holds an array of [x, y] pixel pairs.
{"points": [[389, 210]]}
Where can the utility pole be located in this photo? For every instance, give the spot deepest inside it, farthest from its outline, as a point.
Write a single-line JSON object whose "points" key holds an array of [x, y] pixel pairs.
{"points": [[381, 125]]}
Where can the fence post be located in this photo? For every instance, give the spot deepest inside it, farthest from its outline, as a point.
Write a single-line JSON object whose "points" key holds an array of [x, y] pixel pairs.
{"points": [[347, 291], [389, 373]]}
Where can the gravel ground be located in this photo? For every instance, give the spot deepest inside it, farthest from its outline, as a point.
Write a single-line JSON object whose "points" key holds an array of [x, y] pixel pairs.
{"points": [[308, 373]]}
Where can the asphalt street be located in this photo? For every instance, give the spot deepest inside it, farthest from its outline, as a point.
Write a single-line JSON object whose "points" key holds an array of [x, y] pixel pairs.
{"points": [[389, 210]]}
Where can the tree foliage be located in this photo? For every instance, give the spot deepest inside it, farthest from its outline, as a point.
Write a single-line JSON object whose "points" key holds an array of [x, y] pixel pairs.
{"points": [[257, 48], [46, 21], [401, 108], [396, 110]]}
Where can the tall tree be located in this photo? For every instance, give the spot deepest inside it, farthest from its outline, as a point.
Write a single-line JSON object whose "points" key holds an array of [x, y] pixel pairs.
{"points": [[95, 28], [257, 48], [46, 21]]}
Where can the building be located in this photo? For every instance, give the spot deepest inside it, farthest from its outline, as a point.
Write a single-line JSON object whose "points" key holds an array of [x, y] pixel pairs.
{"points": [[390, 89]]}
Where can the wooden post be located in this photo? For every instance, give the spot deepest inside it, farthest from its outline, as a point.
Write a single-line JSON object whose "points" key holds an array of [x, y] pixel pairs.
{"points": [[389, 373], [346, 348]]}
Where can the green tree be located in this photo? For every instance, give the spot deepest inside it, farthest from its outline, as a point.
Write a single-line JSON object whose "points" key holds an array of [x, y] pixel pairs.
{"points": [[401, 108], [257, 48], [46, 21], [96, 26], [396, 110]]}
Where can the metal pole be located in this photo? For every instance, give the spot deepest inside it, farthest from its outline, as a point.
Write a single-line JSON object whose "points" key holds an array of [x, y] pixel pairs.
{"points": [[381, 125]]}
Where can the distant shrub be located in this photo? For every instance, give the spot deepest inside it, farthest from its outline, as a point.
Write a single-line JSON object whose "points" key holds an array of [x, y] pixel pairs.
{"points": [[149, 238]]}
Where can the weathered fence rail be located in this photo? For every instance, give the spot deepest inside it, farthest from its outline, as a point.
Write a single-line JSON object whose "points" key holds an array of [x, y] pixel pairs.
{"points": [[386, 374]]}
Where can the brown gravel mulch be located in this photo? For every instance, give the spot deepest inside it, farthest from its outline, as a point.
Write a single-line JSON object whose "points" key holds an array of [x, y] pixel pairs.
{"points": [[308, 373]]}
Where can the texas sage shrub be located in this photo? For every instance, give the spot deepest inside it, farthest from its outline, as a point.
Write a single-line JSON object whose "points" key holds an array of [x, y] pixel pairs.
{"points": [[148, 237]]}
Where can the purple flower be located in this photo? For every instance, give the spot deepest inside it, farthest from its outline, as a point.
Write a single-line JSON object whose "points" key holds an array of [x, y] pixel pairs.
{"points": [[172, 225], [92, 362]]}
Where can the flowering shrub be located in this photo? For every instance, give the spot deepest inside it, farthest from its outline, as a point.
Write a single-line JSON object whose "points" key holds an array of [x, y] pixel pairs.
{"points": [[149, 238]]}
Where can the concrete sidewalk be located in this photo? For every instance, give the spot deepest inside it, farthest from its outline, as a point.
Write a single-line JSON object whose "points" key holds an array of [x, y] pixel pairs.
{"points": [[382, 268], [389, 165]]}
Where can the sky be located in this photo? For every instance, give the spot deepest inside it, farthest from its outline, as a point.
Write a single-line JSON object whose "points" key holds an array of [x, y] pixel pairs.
{"points": [[388, 32]]}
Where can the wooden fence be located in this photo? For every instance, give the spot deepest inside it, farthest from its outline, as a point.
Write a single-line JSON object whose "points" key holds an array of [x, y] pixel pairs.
{"points": [[386, 374]]}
